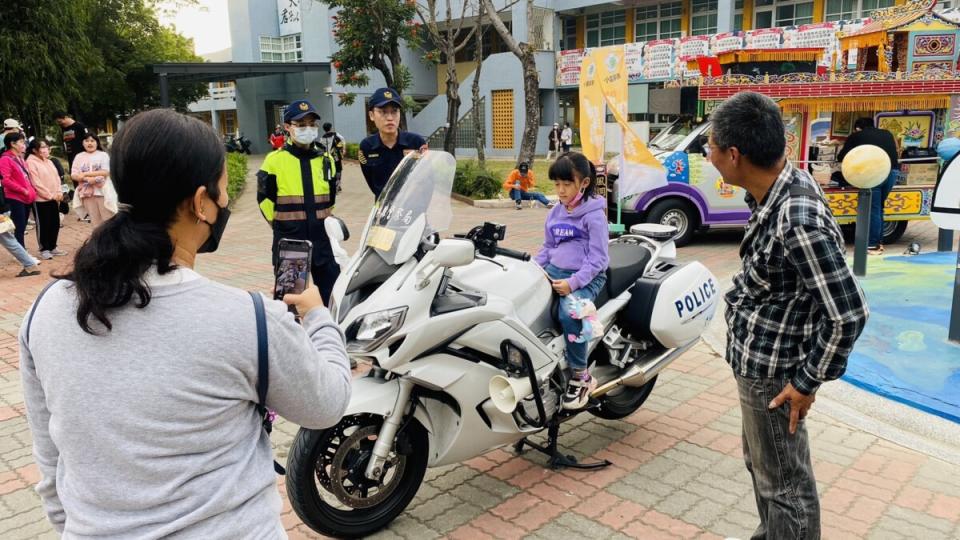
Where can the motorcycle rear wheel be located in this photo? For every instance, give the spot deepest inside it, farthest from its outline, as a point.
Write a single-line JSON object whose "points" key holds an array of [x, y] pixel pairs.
{"points": [[325, 476], [623, 401]]}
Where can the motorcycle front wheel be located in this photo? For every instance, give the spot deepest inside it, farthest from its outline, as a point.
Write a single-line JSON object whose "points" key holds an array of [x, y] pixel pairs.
{"points": [[327, 486]]}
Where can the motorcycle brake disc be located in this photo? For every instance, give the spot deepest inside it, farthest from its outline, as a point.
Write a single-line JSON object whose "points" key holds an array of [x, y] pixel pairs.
{"points": [[346, 469]]}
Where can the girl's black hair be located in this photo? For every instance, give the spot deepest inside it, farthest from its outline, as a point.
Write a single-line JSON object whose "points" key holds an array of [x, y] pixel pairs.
{"points": [[571, 165], [33, 148], [91, 135], [159, 159], [11, 138]]}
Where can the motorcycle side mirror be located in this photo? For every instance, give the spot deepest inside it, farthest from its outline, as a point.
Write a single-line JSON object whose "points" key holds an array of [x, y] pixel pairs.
{"points": [[336, 229], [451, 252]]}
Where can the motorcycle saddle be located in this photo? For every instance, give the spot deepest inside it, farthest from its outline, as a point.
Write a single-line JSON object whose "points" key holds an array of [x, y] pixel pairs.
{"points": [[627, 263]]}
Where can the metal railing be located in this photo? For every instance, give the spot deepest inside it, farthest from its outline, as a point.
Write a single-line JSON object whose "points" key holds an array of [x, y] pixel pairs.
{"points": [[466, 129]]}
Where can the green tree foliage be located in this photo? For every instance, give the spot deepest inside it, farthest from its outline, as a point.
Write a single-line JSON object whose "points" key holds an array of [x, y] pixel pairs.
{"points": [[369, 33], [90, 57]]}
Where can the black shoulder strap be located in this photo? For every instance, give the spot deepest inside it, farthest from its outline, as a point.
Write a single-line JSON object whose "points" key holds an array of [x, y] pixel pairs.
{"points": [[263, 361], [263, 371], [36, 303]]}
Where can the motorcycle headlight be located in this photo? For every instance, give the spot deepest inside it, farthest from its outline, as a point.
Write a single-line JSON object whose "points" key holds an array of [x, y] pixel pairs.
{"points": [[370, 331]]}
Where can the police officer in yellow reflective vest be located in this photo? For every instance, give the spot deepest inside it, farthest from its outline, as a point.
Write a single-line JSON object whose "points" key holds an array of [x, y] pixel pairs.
{"points": [[296, 192]]}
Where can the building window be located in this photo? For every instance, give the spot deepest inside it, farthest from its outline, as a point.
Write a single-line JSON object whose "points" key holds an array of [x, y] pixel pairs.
{"points": [[738, 16], [569, 40], [646, 18], [658, 21], [281, 49], [608, 28], [840, 10], [867, 7], [671, 14], [703, 17], [762, 14], [794, 14]]}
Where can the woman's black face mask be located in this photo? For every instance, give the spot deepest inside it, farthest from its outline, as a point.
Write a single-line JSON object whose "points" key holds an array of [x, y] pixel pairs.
{"points": [[216, 231]]}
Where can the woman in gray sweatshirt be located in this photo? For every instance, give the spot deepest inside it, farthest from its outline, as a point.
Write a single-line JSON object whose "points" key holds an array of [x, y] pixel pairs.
{"points": [[140, 375]]}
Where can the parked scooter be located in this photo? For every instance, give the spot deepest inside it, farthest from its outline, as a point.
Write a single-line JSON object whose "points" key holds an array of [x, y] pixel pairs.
{"points": [[466, 352], [237, 143]]}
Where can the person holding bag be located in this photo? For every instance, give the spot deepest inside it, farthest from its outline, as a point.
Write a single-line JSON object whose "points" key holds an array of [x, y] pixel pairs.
{"points": [[17, 187], [145, 383], [46, 181], [91, 171]]}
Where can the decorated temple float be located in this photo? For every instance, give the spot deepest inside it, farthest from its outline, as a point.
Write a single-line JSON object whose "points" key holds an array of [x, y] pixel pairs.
{"points": [[899, 68]]}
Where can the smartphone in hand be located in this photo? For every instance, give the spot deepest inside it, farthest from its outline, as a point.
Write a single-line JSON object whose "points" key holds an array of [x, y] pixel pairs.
{"points": [[292, 272]]}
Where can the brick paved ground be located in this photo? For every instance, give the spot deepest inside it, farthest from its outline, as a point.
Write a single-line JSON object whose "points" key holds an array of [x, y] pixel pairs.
{"points": [[677, 468]]}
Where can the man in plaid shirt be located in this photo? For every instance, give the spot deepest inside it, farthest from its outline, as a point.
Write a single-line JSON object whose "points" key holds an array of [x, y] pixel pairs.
{"points": [[793, 314]]}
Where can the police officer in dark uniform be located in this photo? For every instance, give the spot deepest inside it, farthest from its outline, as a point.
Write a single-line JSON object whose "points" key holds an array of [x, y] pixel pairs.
{"points": [[296, 192], [381, 152]]}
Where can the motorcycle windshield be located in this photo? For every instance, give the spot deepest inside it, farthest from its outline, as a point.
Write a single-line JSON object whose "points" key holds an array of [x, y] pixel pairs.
{"points": [[414, 204]]}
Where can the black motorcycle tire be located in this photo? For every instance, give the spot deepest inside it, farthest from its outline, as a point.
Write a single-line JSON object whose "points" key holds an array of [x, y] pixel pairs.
{"points": [[623, 401], [303, 488]]}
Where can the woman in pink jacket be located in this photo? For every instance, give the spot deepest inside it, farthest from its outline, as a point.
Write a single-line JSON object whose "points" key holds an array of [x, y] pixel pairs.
{"points": [[47, 181], [17, 187]]}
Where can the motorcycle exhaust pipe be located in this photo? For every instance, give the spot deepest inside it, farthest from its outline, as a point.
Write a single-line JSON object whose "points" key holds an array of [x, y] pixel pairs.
{"points": [[640, 373]]}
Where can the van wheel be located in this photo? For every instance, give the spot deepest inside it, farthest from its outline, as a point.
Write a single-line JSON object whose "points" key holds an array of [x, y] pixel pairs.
{"points": [[893, 230], [676, 213]]}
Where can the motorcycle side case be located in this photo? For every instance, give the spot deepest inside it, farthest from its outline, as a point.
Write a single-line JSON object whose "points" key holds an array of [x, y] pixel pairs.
{"points": [[671, 304]]}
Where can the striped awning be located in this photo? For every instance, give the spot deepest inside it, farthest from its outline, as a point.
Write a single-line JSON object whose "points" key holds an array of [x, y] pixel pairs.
{"points": [[771, 55], [865, 103]]}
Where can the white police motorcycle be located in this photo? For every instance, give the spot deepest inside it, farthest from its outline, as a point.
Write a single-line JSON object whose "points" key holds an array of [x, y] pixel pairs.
{"points": [[466, 352]]}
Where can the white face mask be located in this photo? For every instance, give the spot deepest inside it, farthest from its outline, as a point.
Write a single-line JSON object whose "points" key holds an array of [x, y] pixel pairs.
{"points": [[305, 134]]}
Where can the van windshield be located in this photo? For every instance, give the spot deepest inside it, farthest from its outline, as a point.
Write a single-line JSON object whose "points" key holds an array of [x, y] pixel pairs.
{"points": [[674, 134]]}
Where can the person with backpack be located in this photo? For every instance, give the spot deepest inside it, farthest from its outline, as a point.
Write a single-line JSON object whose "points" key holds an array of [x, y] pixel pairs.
{"points": [[333, 143], [145, 383]]}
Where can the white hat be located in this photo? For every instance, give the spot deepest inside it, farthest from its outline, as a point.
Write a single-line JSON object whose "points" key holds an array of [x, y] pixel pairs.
{"points": [[10, 123], [556, 124]]}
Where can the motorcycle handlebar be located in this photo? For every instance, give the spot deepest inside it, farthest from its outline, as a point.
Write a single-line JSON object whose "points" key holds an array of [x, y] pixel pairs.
{"points": [[513, 254]]}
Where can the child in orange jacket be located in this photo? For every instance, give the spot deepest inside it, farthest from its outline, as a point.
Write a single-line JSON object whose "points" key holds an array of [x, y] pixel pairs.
{"points": [[519, 183]]}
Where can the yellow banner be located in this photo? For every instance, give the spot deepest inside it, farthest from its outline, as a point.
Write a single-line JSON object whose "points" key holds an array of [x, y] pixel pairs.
{"points": [[592, 110], [639, 169]]}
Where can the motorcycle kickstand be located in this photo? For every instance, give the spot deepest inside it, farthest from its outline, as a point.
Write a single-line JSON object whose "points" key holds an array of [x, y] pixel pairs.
{"points": [[557, 459]]}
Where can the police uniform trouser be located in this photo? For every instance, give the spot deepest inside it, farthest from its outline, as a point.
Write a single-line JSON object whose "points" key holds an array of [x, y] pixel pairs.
{"points": [[324, 276]]}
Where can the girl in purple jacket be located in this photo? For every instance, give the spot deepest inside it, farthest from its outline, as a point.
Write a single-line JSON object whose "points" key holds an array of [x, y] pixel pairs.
{"points": [[575, 256]]}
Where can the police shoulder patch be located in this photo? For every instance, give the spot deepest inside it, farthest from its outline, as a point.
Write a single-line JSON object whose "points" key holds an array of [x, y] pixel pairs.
{"points": [[361, 157]]}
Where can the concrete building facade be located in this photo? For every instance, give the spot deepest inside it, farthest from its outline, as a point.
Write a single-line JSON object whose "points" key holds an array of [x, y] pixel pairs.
{"points": [[300, 31]]}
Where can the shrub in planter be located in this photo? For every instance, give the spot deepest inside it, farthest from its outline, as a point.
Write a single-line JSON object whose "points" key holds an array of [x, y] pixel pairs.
{"points": [[236, 175], [474, 182], [352, 150]]}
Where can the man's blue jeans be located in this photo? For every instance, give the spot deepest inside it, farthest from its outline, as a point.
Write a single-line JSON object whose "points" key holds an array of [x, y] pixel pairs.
{"points": [[877, 200], [519, 195], [778, 462], [576, 353], [9, 241]]}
